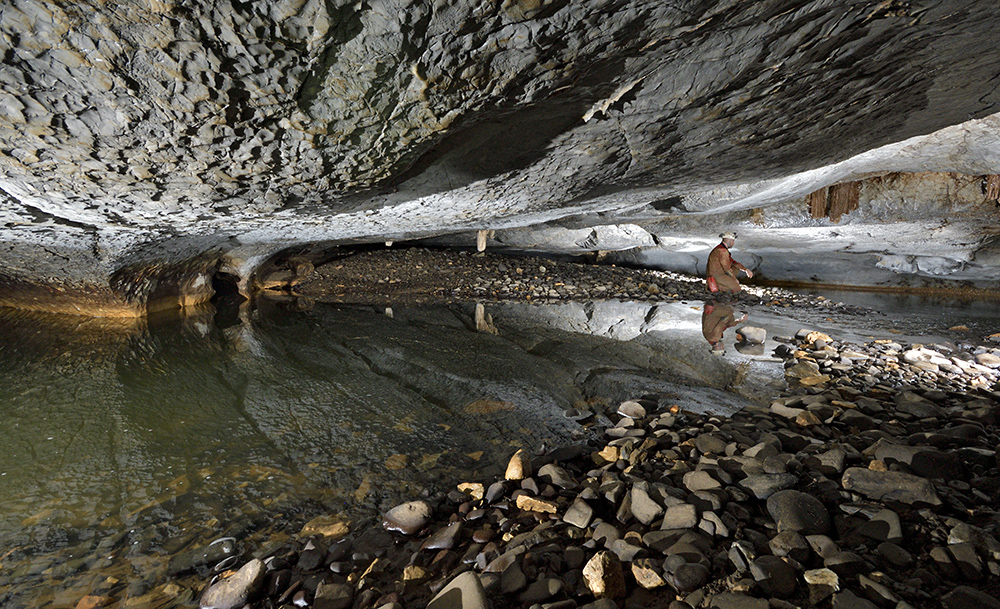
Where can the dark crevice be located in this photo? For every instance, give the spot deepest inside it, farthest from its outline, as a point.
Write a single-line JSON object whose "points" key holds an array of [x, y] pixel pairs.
{"points": [[227, 299]]}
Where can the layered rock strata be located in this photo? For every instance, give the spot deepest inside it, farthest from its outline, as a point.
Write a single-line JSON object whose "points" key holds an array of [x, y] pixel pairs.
{"points": [[150, 135]]}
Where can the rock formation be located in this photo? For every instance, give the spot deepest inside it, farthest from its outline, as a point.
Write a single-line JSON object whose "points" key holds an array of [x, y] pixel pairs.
{"points": [[149, 148]]}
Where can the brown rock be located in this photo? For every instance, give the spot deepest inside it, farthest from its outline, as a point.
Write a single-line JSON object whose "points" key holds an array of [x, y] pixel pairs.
{"points": [[534, 504], [647, 573], [603, 575], [519, 466]]}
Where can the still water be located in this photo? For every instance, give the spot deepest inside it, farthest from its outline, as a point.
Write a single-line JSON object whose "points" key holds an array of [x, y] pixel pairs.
{"points": [[929, 313], [125, 444], [129, 447]]}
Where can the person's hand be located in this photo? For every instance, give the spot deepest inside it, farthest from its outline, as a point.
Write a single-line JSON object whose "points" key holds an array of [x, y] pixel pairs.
{"points": [[749, 273]]}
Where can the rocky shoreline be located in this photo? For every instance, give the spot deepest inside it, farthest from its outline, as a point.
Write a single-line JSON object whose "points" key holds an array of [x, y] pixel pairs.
{"points": [[871, 482], [419, 276]]}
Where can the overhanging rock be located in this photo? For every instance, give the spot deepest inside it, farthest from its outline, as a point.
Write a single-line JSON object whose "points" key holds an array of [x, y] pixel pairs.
{"points": [[152, 137]]}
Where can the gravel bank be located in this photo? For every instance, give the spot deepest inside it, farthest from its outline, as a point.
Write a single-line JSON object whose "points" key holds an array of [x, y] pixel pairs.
{"points": [[872, 481]]}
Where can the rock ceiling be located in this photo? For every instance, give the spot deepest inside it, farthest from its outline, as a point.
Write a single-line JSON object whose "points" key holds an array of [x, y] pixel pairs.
{"points": [[146, 144]]}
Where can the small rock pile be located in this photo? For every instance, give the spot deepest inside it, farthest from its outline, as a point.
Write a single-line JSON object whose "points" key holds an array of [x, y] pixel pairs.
{"points": [[872, 482]]}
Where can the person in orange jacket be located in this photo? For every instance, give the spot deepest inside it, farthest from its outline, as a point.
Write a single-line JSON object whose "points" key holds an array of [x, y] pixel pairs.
{"points": [[722, 269]]}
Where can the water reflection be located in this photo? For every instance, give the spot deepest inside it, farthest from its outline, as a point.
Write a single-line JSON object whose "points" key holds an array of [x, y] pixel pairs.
{"points": [[716, 318], [127, 443]]}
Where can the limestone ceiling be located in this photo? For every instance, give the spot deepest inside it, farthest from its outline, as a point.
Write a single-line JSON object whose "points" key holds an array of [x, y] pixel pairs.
{"points": [[148, 131]]}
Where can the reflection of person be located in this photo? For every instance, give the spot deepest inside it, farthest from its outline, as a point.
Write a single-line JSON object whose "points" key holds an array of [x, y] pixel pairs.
{"points": [[722, 268], [715, 319]]}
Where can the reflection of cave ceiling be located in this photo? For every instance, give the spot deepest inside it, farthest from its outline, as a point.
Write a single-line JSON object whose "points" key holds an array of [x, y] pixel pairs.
{"points": [[140, 134]]}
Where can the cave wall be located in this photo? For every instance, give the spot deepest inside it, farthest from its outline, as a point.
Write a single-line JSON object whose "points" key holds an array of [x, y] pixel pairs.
{"points": [[145, 137]]}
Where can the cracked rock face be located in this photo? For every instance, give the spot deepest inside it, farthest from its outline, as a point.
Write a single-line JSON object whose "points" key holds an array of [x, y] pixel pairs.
{"points": [[145, 145]]}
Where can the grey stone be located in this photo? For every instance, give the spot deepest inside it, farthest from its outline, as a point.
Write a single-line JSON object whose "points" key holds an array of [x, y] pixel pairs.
{"points": [[753, 335], [713, 525], [709, 500], [791, 544], [918, 406], [579, 514], [333, 596], [741, 554], [687, 577], [408, 518], [895, 555], [688, 551], [797, 511], [541, 590], [774, 576], [943, 562], [443, 539], [237, 590], [513, 579], [822, 545], [877, 592], [463, 592], [643, 507], [984, 541], [557, 476], [964, 597], [660, 541], [849, 600], [763, 486], [923, 461], [883, 526], [682, 516], [708, 443], [845, 564], [890, 486], [728, 600], [606, 533], [828, 463], [967, 561], [624, 550], [631, 409], [700, 480]]}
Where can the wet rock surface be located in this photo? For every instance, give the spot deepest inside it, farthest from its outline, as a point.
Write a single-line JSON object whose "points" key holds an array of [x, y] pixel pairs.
{"points": [[765, 508]]}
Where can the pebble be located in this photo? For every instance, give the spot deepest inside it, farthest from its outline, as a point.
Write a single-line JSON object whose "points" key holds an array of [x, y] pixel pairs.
{"points": [[604, 576], [797, 511], [519, 466], [890, 486], [463, 592], [885, 495], [409, 518], [237, 590]]}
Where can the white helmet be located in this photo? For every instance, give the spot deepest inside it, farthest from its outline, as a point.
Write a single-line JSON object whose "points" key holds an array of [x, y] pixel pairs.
{"points": [[728, 235]]}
